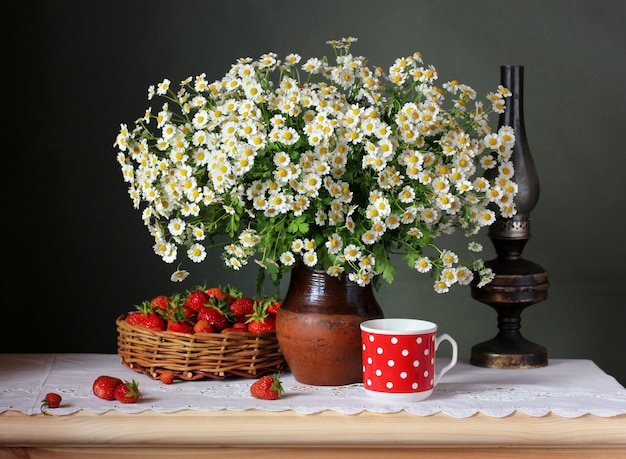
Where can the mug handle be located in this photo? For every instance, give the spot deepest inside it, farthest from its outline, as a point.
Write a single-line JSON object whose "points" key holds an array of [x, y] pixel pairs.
{"points": [[444, 370]]}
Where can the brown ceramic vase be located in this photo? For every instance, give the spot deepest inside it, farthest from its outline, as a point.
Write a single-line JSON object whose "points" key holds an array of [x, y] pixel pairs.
{"points": [[317, 327]]}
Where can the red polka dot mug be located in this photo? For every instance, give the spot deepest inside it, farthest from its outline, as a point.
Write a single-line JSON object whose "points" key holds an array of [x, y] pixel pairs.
{"points": [[399, 358]]}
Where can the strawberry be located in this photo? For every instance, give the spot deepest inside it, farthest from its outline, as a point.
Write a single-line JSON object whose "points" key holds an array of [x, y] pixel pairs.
{"points": [[146, 317], [267, 387], [242, 308], [203, 326], [262, 325], [104, 386], [216, 292], [261, 320], [179, 326], [127, 392], [51, 400], [232, 294], [273, 306], [196, 299], [178, 319], [160, 302], [216, 318], [167, 377], [217, 314]]}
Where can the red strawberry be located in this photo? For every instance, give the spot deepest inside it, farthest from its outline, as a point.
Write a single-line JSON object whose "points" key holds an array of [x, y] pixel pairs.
{"points": [[180, 327], [242, 308], [261, 320], [160, 302], [51, 400], [267, 387], [216, 292], [127, 392], [262, 325], [178, 319], [145, 317], [197, 299], [215, 315], [232, 294], [273, 306], [167, 377], [104, 387], [203, 326]]}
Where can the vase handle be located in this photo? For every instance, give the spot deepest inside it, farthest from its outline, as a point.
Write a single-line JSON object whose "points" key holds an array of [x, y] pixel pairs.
{"points": [[444, 370]]}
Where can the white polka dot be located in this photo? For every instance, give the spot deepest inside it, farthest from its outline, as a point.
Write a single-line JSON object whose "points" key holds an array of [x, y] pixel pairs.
{"points": [[390, 363], [379, 350], [426, 351], [389, 385], [432, 360], [371, 338], [368, 382], [419, 340], [416, 363], [426, 374], [414, 385], [369, 360], [364, 346], [404, 375], [378, 372], [394, 340], [405, 352], [432, 382]]}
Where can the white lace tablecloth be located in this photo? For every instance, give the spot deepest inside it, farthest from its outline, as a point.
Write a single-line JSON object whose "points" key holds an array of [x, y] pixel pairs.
{"points": [[569, 388]]}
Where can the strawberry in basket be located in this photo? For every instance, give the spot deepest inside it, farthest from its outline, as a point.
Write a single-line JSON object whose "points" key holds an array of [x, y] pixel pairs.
{"points": [[147, 317]]}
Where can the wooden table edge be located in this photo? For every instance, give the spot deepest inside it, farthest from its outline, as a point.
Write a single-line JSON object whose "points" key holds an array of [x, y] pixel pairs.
{"points": [[328, 429]]}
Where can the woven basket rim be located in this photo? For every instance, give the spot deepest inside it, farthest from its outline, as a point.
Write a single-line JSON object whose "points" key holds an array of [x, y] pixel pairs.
{"points": [[192, 356], [121, 321]]}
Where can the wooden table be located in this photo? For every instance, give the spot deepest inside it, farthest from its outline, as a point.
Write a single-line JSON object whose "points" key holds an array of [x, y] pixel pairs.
{"points": [[263, 434], [289, 434]]}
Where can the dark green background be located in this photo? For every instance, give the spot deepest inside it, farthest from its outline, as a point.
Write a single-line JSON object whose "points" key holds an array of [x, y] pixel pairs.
{"points": [[78, 255]]}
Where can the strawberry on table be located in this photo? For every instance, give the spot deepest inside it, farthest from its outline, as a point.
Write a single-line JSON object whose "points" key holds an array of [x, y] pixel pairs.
{"points": [[127, 392], [104, 386], [267, 387], [167, 377], [52, 400]]}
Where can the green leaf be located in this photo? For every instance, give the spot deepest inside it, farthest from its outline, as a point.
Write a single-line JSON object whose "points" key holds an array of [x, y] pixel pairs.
{"points": [[273, 271], [383, 265], [298, 226], [386, 270], [260, 278]]}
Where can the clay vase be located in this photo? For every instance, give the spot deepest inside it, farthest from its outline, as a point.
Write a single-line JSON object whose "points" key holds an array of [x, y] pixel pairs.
{"points": [[317, 327]]}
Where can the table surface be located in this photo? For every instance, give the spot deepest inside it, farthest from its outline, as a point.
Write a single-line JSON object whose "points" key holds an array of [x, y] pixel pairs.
{"points": [[570, 406]]}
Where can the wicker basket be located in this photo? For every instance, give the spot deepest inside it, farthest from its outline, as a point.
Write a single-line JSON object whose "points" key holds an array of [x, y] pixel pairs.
{"points": [[198, 356]]}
